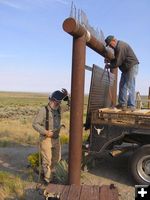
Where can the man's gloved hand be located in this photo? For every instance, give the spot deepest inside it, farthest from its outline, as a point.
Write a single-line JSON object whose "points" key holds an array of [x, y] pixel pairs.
{"points": [[86, 126], [66, 96], [64, 91], [107, 63], [49, 133], [106, 60], [107, 66]]}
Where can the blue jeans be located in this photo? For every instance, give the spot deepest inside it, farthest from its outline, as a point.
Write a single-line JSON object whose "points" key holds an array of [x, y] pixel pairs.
{"points": [[127, 87]]}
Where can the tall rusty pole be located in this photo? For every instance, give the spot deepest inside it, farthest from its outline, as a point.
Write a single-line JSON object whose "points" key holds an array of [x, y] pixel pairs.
{"points": [[77, 103], [149, 98], [81, 38]]}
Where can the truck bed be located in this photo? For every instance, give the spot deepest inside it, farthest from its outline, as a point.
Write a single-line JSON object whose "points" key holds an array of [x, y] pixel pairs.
{"points": [[113, 116]]}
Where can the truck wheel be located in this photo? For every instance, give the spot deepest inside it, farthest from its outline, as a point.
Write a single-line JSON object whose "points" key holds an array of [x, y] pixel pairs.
{"points": [[140, 165]]}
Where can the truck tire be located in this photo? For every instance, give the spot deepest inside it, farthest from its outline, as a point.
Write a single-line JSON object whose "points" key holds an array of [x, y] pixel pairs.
{"points": [[140, 165]]}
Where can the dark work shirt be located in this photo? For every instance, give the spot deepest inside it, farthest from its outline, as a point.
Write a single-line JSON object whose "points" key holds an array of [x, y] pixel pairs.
{"points": [[125, 57]]}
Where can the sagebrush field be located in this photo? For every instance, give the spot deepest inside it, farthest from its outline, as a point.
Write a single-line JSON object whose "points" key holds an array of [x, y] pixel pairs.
{"points": [[18, 138], [16, 115]]}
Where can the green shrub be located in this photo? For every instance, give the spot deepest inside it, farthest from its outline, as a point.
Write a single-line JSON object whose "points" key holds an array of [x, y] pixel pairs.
{"points": [[61, 172], [85, 136], [64, 139], [33, 160]]}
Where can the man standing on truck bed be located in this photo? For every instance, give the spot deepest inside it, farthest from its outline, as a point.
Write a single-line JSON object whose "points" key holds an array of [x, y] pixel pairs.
{"points": [[47, 123], [127, 62]]}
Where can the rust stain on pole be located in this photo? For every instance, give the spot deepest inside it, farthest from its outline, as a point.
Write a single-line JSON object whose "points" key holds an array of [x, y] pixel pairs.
{"points": [[77, 102]]}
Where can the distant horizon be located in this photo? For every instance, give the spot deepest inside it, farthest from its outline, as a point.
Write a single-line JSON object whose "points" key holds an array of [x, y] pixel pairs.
{"points": [[46, 93]]}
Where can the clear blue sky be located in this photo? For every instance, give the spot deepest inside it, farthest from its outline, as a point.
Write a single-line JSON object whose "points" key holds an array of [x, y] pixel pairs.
{"points": [[35, 52]]}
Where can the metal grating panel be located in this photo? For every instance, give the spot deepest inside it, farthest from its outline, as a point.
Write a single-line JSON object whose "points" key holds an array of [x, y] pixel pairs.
{"points": [[100, 91]]}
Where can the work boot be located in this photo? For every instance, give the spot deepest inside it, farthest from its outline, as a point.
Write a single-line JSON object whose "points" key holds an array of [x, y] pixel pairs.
{"points": [[122, 107], [45, 183], [131, 108]]}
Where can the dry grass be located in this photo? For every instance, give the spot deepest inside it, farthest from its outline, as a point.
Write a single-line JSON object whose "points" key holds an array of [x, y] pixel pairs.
{"points": [[16, 114], [11, 187], [17, 131]]}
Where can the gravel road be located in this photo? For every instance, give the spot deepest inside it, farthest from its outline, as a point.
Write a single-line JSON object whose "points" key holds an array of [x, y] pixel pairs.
{"points": [[108, 170]]}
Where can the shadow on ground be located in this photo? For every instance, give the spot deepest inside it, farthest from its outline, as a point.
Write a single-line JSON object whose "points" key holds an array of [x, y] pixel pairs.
{"points": [[14, 159], [107, 170], [114, 168]]}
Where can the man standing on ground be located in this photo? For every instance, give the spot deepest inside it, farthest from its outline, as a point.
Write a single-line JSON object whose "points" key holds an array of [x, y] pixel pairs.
{"points": [[48, 123], [127, 62]]}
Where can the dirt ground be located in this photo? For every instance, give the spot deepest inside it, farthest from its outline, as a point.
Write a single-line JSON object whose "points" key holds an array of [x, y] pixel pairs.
{"points": [[108, 170]]}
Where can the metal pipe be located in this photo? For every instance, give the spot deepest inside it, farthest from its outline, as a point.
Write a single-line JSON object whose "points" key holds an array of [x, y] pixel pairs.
{"points": [[114, 89], [88, 68], [76, 112], [75, 29], [81, 38], [149, 98]]}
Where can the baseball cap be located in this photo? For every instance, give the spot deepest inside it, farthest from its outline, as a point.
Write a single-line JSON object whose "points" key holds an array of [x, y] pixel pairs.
{"points": [[109, 39]]}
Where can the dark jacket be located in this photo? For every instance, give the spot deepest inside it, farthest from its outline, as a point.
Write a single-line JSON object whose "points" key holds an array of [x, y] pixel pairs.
{"points": [[125, 58]]}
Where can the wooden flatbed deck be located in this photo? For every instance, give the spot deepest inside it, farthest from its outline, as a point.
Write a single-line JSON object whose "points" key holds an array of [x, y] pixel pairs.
{"points": [[141, 112], [136, 119], [82, 192]]}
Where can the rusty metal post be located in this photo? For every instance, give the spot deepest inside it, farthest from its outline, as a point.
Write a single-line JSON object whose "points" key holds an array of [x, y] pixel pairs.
{"points": [[75, 29], [77, 102], [114, 90], [149, 98], [81, 38]]}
